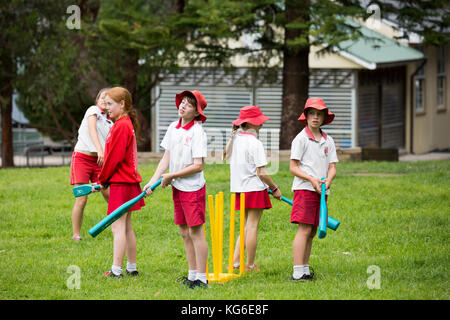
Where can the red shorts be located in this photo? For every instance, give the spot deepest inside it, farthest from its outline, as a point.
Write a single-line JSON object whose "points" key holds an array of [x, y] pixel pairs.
{"points": [[121, 193], [84, 168], [306, 207], [189, 207], [254, 200]]}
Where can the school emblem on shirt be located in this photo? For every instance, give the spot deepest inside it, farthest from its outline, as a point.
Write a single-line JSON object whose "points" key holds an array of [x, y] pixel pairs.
{"points": [[187, 141], [325, 150]]}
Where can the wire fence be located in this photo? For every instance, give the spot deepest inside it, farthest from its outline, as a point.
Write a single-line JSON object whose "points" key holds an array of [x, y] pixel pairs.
{"points": [[40, 155]]}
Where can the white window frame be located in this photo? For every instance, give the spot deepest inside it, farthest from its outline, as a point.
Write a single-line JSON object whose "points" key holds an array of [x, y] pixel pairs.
{"points": [[419, 91], [441, 79]]}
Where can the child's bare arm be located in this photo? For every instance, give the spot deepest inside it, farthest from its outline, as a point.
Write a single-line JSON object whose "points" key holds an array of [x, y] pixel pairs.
{"points": [[92, 127], [267, 179], [195, 167], [330, 175], [227, 151]]}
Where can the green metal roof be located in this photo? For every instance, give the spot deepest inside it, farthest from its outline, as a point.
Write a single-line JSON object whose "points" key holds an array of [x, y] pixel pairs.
{"points": [[373, 49]]}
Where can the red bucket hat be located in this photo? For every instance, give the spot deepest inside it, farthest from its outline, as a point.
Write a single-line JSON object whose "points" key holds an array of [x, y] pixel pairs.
{"points": [[319, 104], [201, 102], [250, 114]]}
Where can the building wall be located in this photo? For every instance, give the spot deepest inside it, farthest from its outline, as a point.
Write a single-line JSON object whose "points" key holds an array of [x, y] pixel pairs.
{"points": [[431, 129], [226, 93]]}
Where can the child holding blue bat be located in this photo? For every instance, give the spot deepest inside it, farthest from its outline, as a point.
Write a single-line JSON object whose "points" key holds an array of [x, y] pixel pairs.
{"points": [[313, 156], [185, 149], [120, 172], [88, 155]]}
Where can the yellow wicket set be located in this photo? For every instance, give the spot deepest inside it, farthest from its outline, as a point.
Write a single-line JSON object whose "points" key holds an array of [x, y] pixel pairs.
{"points": [[216, 222]]}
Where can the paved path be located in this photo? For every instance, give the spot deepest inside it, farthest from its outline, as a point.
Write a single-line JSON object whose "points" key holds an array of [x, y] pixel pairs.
{"points": [[425, 157]]}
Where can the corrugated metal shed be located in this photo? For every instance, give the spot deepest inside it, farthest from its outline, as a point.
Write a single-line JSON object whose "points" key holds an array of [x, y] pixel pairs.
{"points": [[226, 94]]}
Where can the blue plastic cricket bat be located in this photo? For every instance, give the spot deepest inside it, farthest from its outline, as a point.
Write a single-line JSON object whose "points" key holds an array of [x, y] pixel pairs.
{"points": [[84, 189], [323, 218], [120, 211], [333, 224]]}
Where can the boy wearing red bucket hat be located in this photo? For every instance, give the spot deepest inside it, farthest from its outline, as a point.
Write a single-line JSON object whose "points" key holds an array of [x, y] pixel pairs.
{"points": [[313, 156], [185, 149], [248, 175]]}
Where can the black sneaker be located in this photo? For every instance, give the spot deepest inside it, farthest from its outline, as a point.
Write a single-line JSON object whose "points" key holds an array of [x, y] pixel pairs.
{"points": [[312, 275], [199, 284], [131, 273], [110, 274], [304, 277], [184, 281]]}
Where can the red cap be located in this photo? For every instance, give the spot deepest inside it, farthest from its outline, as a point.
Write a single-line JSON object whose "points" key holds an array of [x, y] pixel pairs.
{"points": [[250, 114], [201, 102], [319, 104]]}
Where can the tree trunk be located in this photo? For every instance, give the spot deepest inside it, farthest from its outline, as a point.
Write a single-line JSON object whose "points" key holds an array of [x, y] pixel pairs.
{"points": [[178, 6], [6, 91], [7, 135], [92, 78], [295, 74], [130, 69]]}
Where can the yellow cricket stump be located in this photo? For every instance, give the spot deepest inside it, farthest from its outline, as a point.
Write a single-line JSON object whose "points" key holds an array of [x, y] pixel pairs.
{"points": [[216, 228], [242, 234]]}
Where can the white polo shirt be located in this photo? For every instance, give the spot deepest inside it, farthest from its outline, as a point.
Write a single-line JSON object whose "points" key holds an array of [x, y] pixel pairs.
{"points": [[84, 142], [314, 156], [247, 154], [185, 144]]}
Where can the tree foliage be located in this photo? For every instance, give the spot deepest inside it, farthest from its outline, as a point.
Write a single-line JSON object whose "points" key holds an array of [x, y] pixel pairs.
{"points": [[281, 30], [23, 25], [58, 71], [127, 43]]}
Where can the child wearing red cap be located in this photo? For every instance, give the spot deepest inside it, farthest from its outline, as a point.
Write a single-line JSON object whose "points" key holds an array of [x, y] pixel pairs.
{"points": [[185, 149], [248, 175], [313, 156]]}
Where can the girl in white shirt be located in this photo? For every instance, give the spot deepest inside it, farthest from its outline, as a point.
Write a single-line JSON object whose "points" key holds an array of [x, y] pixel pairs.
{"points": [[87, 158], [248, 175]]}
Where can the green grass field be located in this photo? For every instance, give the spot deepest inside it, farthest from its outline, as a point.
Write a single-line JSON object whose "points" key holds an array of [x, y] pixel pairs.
{"points": [[394, 220]]}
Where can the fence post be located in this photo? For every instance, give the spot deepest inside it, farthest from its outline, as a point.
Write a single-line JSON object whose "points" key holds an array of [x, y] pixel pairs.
{"points": [[42, 155]]}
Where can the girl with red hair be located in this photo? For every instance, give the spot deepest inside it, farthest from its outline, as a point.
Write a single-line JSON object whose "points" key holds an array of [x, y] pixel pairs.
{"points": [[120, 172]]}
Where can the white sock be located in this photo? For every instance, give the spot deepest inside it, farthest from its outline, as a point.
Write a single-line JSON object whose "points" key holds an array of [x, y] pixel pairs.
{"points": [[117, 270], [299, 271], [192, 275], [201, 277], [236, 265], [131, 266]]}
